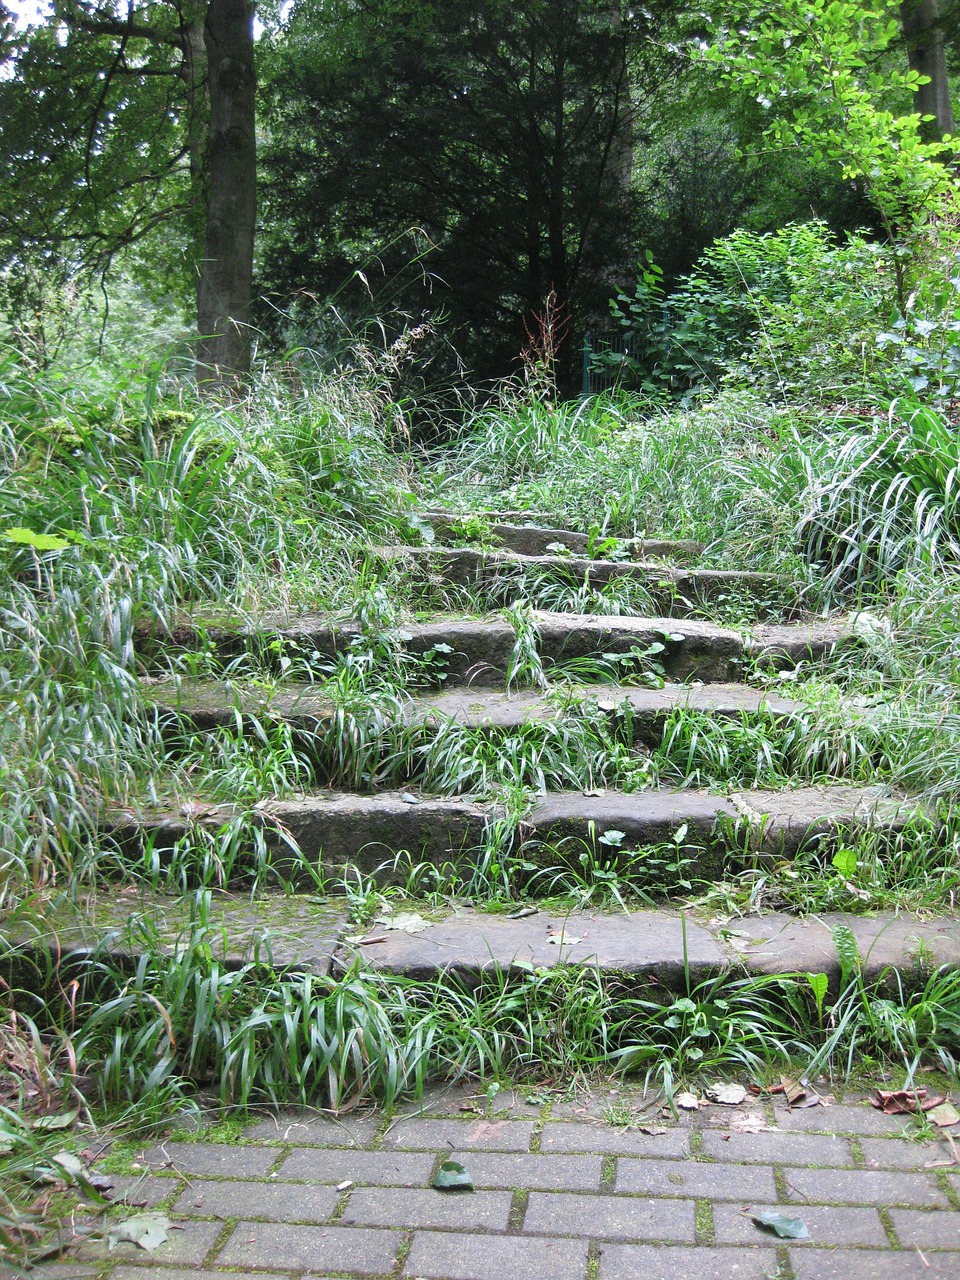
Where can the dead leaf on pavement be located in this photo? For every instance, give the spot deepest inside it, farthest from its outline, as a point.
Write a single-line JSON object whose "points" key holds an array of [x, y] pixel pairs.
{"points": [[944, 1115], [748, 1122], [904, 1102], [485, 1129], [405, 921], [687, 1101], [147, 1230], [727, 1095]]}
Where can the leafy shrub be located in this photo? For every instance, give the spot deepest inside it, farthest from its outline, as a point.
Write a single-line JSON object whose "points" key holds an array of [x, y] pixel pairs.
{"points": [[791, 312]]}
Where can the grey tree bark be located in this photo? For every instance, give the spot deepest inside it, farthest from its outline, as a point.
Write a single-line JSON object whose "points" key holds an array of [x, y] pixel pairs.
{"points": [[226, 273], [920, 20]]}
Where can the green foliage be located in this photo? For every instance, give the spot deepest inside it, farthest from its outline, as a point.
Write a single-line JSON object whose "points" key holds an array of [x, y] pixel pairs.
{"points": [[499, 132], [792, 313], [814, 64], [97, 127]]}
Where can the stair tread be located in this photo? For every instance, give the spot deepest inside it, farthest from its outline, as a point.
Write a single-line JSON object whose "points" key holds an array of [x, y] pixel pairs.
{"points": [[216, 701], [658, 945]]}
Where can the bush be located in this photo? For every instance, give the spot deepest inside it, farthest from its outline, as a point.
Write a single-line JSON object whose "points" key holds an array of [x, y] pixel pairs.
{"points": [[791, 312]]}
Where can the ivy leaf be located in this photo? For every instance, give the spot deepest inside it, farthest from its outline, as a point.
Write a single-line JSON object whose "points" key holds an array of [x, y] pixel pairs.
{"points": [[452, 1176]]}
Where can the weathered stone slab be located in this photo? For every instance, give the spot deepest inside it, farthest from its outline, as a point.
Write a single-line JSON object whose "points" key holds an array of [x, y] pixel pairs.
{"points": [[208, 704], [530, 534], [777, 646], [788, 820], [780, 943], [331, 829], [648, 944], [286, 932], [480, 649], [496, 574], [691, 649]]}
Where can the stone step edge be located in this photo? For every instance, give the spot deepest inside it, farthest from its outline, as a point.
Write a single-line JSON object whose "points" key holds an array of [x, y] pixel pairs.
{"points": [[204, 705], [335, 830], [667, 948], [480, 650], [530, 534], [470, 566]]}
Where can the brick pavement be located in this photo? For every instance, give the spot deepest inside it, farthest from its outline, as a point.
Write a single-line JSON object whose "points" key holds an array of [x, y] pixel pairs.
{"points": [[564, 1191]]}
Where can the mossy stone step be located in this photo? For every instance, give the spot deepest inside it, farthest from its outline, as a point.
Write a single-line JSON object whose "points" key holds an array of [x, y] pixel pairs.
{"points": [[391, 830], [659, 949], [479, 651], [204, 705], [535, 537], [498, 576]]}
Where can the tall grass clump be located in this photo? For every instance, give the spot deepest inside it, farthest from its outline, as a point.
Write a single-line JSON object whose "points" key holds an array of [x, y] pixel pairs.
{"points": [[123, 503]]}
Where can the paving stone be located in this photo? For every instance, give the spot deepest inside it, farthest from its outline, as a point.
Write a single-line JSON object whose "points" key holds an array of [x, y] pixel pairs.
{"points": [[864, 1186], [306, 1248], [869, 1264], [467, 1135], [858, 1118], [532, 1173], [608, 1140], [896, 1153], [777, 1148], [312, 1130], [156, 1273], [274, 1200], [458, 1100], [827, 1226], [446, 1256], [141, 1192], [187, 1244], [79, 1271], [370, 1168], [675, 1262], [609, 1217], [390, 1206], [916, 1229], [695, 1178], [211, 1159]]}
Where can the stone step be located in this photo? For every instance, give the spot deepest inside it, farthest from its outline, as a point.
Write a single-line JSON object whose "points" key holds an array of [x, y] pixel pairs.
{"points": [[654, 948], [333, 830], [204, 705], [533, 536], [500, 576], [479, 651]]}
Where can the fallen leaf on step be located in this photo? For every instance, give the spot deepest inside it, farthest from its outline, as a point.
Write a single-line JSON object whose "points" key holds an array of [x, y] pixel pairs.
{"points": [[727, 1095], [407, 798], [748, 1122], [521, 912], [785, 1228], [147, 1230], [687, 1101], [904, 1102], [452, 1176], [562, 939], [405, 922], [944, 1115]]}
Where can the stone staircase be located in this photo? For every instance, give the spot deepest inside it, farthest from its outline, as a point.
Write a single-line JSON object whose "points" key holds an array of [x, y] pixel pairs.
{"points": [[394, 823]]}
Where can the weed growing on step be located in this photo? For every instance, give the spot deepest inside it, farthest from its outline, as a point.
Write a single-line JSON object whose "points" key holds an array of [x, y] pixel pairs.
{"points": [[857, 872]]}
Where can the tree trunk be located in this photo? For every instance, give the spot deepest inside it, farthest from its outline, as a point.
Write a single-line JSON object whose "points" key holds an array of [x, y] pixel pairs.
{"points": [[920, 20], [226, 273]]}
